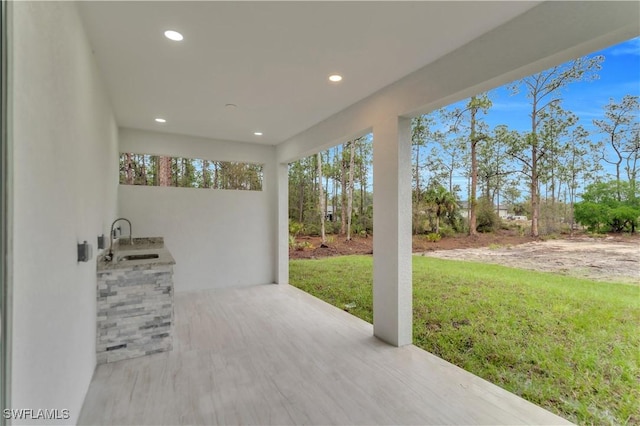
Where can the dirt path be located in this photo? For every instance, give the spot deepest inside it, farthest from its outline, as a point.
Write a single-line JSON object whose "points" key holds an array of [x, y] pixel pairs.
{"points": [[602, 259], [613, 258]]}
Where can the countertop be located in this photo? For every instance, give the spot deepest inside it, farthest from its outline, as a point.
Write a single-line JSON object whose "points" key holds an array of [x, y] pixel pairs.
{"points": [[145, 245]]}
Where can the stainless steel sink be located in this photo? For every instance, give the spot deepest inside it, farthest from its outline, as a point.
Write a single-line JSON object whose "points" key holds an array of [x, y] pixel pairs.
{"points": [[139, 256]]}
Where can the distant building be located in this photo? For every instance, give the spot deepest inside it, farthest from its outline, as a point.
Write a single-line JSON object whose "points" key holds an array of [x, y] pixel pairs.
{"points": [[501, 210], [330, 216]]}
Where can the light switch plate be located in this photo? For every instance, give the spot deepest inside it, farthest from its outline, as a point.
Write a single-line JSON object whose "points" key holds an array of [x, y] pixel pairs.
{"points": [[85, 252]]}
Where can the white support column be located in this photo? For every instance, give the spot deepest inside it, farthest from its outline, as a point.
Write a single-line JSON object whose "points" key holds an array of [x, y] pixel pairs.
{"points": [[392, 281], [282, 229]]}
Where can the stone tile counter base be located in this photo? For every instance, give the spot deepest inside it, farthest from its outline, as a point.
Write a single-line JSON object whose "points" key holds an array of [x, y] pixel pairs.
{"points": [[135, 309]]}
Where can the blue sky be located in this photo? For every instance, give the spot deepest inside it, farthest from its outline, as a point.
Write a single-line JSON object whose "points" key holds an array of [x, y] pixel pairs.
{"points": [[619, 76]]}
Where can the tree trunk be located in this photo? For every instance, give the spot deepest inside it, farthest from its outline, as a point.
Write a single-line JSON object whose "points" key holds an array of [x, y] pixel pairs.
{"points": [[352, 153], [343, 195], [474, 173], [334, 200], [164, 171], [301, 202], [618, 191], [323, 212], [451, 177], [175, 171], [553, 187], [418, 173], [183, 172], [205, 174], [143, 171], [534, 187], [363, 185], [326, 192], [535, 202], [128, 169]]}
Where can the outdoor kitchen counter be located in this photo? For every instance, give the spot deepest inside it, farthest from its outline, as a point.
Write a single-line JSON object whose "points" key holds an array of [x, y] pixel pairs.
{"points": [[147, 245], [134, 301]]}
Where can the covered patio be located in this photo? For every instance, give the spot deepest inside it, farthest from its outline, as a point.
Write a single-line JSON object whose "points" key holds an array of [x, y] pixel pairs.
{"points": [[273, 354], [87, 81]]}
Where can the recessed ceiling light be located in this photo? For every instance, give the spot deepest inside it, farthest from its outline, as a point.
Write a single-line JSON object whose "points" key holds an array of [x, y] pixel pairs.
{"points": [[160, 120], [257, 133], [231, 106], [335, 78], [173, 35]]}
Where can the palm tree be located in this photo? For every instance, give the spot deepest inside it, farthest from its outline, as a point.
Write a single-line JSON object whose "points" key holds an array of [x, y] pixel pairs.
{"points": [[443, 203]]}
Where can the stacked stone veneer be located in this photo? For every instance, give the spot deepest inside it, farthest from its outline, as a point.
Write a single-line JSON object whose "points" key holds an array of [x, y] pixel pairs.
{"points": [[135, 312]]}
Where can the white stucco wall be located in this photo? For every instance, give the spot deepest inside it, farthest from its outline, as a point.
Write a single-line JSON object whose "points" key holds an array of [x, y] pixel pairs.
{"points": [[65, 191], [219, 238]]}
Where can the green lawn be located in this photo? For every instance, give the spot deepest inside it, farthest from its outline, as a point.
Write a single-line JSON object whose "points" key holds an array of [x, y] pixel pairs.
{"points": [[569, 345]]}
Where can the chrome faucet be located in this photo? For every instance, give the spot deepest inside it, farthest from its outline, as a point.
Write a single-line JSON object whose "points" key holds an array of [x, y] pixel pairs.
{"points": [[109, 255]]}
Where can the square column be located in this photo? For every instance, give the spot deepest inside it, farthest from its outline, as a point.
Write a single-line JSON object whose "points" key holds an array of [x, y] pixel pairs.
{"points": [[282, 226], [392, 279]]}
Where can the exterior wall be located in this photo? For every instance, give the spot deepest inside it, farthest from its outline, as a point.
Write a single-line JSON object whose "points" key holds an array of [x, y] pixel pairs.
{"points": [[219, 238], [64, 192]]}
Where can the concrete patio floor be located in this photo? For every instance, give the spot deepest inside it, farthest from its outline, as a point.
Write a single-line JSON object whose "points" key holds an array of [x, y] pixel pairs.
{"points": [[273, 354]]}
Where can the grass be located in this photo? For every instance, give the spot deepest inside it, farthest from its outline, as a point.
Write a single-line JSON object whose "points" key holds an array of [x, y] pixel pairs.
{"points": [[569, 345]]}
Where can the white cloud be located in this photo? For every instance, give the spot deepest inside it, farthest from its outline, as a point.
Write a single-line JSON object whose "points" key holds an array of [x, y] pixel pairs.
{"points": [[630, 47]]}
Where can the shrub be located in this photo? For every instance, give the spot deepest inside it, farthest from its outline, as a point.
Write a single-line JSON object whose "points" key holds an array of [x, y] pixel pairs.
{"points": [[332, 227], [623, 218], [486, 218], [312, 229], [609, 206], [433, 237], [447, 231], [565, 229], [548, 237], [524, 229], [306, 245], [295, 228], [303, 245]]}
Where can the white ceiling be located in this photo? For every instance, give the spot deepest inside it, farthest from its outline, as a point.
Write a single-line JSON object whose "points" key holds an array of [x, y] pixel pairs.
{"points": [[272, 59]]}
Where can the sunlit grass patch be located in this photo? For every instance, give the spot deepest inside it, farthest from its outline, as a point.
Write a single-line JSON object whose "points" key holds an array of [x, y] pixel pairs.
{"points": [[569, 345]]}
